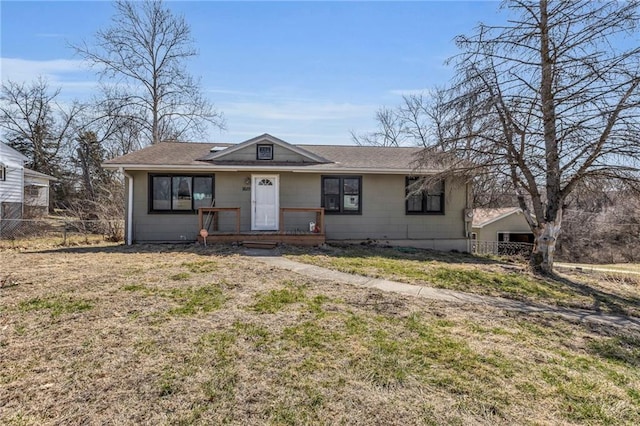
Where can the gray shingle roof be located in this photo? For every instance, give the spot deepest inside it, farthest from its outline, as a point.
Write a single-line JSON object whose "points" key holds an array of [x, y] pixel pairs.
{"points": [[167, 153], [367, 156], [340, 157]]}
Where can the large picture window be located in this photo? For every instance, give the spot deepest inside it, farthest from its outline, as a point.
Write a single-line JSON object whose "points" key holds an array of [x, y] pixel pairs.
{"points": [[180, 193], [342, 194], [424, 201]]}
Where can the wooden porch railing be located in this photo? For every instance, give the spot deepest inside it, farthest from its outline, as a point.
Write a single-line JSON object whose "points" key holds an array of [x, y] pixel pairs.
{"points": [[311, 237], [216, 212], [319, 228]]}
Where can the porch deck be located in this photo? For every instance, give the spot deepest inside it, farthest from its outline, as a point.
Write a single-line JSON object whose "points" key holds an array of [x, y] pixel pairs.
{"points": [[282, 236], [303, 239]]}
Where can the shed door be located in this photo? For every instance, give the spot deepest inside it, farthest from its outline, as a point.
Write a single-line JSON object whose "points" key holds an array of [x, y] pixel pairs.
{"points": [[264, 202]]}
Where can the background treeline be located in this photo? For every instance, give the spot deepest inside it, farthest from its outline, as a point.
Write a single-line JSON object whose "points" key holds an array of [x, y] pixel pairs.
{"points": [[542, 113]]}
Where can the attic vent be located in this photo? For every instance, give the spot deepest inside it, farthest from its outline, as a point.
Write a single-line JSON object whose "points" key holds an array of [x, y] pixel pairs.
{"points": [[217, 148]]}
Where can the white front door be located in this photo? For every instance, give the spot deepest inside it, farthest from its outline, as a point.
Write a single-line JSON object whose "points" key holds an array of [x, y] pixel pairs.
{"points": [[265, 200]]}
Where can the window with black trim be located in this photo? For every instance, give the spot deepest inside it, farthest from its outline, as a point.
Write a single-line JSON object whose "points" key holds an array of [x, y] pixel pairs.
{"points": [[3, 172], [342, 194], [421, 200], [180, 193], [264, 152]]}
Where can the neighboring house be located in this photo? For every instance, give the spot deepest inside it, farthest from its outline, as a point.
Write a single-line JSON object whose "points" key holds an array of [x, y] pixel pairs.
{"points": [[24, 193], [11, 182], [268, 189], [36, 193], [503, 224]]}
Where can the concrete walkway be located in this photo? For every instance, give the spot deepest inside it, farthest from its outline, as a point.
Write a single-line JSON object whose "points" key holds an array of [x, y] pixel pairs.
{"points": [[581, 315], [592, 268]]}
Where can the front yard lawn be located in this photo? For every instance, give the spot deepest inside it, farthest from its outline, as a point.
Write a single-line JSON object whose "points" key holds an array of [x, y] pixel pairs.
{"points": [[606, 292], [180, 335]]}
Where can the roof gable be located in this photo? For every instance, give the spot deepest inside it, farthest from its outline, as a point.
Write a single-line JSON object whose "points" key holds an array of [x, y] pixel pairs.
{"points": [[246, 152], [11, 156]]}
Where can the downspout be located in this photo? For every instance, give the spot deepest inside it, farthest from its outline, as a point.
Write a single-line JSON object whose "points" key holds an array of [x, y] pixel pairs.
{"points": [[129, 207], [468, 215]]}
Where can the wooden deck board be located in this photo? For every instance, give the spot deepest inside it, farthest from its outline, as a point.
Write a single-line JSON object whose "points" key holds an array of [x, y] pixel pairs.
{"points": [[307, 239], [260, 244]]}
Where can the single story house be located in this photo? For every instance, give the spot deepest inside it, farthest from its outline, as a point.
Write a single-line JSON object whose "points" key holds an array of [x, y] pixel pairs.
{"points": [[36, 194], [24, 193], [501, 225], [11, 182], [268, 189], [500, 231]]}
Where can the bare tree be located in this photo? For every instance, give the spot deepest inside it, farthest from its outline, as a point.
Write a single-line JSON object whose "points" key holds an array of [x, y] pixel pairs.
{"points": [[142, 56], [601, 223], [417, 121], [538, 107], [426, 120], [37, 125], [546, 102]]}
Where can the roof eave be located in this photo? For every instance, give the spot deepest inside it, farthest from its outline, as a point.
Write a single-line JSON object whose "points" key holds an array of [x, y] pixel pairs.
{"points": [[294, 169], [38, 175]]}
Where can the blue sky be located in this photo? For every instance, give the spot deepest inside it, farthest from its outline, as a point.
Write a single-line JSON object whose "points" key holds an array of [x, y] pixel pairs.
{"points": [[307, 72]]}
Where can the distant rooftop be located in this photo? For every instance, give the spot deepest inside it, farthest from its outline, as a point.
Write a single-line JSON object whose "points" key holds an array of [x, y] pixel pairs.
{"points": [[483, 217]]}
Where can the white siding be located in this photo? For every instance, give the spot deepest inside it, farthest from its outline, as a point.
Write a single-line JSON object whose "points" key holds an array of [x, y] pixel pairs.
{"points": [[11, 186], [40, 188]]}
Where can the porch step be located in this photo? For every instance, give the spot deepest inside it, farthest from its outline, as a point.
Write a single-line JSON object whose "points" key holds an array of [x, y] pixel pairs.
{"points": [[260, 244]]}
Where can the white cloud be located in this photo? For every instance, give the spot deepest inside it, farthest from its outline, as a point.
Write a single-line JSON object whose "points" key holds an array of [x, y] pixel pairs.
{"points": [[310, 110], [68, 74], [50, 35], [24, 69], [300, 121], [220, 91], [408, 92]]}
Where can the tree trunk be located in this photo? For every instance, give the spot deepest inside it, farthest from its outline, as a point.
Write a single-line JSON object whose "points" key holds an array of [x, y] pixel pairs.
{"points": [[544, 246]]}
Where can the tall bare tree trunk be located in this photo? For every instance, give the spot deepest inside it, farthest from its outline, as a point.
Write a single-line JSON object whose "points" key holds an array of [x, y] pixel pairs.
{"points": [[544, 247], [549, 226]]}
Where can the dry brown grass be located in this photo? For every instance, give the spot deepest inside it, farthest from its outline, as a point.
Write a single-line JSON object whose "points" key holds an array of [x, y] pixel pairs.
{"points": [[186, 335], [606, 292]]}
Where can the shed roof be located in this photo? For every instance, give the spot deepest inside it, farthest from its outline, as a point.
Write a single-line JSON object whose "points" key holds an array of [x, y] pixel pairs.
{"points": [[483, 217], [34, 174]]}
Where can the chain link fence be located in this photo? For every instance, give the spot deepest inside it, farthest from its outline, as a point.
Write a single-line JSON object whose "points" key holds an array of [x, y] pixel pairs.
{"points": [[60, 230]]}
